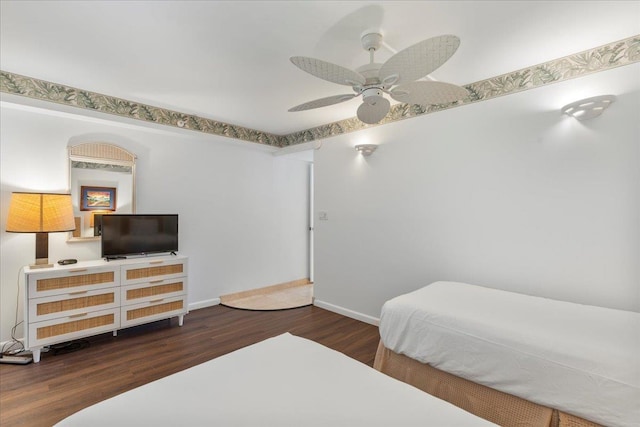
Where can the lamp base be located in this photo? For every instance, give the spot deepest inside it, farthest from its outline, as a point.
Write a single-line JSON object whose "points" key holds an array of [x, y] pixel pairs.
{"points": [[41, 263], [34, 266], [42, 251]]}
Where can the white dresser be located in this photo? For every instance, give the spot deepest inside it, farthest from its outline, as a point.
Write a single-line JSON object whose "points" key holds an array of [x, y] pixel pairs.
{"points": [[64, 303]]}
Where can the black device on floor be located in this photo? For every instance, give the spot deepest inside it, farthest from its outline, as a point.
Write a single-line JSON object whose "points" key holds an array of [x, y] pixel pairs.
{"points": [[67, 261]]}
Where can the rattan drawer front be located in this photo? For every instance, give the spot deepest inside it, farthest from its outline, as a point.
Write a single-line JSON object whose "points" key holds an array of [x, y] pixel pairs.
{"points": [[72, 280], [73, 303], [72, 327], [152, 291], [154, 270], [164, 270], [154, 309], [161, 308]]}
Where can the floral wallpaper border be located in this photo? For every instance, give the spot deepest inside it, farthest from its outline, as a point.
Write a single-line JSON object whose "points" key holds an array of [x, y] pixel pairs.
{"points": [[60, 94], [598, 59]]}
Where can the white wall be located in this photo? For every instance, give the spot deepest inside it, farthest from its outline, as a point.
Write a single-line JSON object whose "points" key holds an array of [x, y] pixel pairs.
{"points": [[506, 193], [243, 211]]}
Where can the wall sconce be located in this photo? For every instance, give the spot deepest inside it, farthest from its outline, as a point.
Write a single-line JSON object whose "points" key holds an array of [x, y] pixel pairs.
{"points": [[40, 213], [366, 149], [588, 108]]}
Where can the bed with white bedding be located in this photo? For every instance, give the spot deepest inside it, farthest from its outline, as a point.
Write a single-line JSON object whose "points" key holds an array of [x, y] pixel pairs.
{"points": [[578, 359], [282, 381]]}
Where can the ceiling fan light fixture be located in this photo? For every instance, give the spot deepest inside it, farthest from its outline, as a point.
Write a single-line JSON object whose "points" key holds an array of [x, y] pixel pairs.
{"points": [[372, 95], [372, 113], [375, 100]]}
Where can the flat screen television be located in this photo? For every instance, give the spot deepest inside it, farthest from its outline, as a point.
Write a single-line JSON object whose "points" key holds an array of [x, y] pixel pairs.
{"points": [[129, 235]]}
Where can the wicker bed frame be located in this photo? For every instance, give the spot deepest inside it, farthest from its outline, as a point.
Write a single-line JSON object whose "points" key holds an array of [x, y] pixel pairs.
{"points": [[498, 407]]}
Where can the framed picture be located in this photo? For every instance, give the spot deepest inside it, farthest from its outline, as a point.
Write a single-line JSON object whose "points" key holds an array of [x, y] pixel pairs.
{"points": [[97, 198]]}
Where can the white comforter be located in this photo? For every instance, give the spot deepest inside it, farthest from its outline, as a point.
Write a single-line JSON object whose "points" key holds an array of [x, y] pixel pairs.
{"points": [[282, 381], [584, 360]]}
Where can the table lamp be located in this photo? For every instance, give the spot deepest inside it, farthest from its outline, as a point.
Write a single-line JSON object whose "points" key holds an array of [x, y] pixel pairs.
{"points": [[40, 213]]}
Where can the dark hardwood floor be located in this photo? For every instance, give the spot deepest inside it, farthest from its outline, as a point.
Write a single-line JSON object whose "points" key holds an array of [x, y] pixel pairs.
{"points": [[45, 393]]}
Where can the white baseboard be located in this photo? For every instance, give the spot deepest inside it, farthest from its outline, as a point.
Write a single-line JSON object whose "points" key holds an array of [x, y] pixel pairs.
{"points": [[204, 304], [346, 312]]}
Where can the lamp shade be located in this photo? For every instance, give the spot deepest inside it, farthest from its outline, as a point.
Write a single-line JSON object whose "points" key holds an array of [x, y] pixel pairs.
{"points": [[40, 213]]}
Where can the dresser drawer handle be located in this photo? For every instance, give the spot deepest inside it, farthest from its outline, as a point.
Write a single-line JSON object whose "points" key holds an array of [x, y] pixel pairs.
{"points": [[156, 300], [78, 293], [156, 262], [78, 315], [78, 270], [156, 281]]}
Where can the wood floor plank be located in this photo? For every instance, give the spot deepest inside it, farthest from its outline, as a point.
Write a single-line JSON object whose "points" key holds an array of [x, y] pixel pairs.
{"points": [[45, 393]]}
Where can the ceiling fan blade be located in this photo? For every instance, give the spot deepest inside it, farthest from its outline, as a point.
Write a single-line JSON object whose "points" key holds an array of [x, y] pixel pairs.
{"points": [[323, 102], [328, 71], [373, 113], [418, 60], [428, 93]]}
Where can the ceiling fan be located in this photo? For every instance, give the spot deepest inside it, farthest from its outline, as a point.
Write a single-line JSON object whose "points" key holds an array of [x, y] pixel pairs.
{"points": [[397, 77]]}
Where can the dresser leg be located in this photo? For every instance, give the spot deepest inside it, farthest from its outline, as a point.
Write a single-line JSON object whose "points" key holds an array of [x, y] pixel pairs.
{"points": [[180, 320], [115, 333], [35, 352]]}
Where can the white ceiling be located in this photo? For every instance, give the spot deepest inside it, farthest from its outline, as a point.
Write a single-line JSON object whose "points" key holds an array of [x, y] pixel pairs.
{"points": [[229, 60]]}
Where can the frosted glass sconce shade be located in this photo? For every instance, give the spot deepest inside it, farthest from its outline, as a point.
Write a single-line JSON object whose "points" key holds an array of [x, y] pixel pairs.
{"points": [[366, 149], [588, 108]]}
